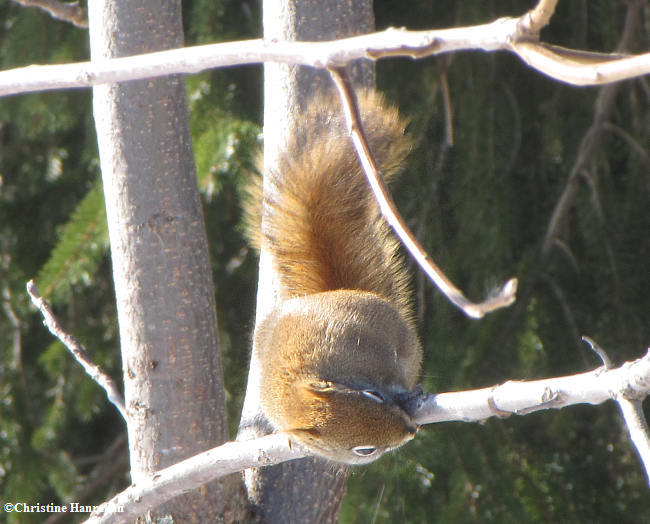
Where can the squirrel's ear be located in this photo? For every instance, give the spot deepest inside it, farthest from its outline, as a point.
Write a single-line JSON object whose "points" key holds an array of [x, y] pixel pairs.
{"points": [[318, 388], [302, 434]]}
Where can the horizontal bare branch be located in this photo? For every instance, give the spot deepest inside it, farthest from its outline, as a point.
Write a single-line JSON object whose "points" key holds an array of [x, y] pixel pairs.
{"points": [[503, 34], [594, 387], [631, 381]]}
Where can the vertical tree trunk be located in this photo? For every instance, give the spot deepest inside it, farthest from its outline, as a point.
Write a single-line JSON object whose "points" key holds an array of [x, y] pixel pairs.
{"points": [[307, 490], [165, 296]]}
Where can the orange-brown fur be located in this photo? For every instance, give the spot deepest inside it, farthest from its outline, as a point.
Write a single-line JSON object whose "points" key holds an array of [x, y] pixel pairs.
{"points": [[340, 349]]}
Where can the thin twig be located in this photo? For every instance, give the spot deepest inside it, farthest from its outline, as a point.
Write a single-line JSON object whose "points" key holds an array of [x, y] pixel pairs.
{"points": [[446, 99], [503, 298], [538, 17], [579, 67], [68, 12], [78, 352], [637, 427], [598, 350], [589, 143]]}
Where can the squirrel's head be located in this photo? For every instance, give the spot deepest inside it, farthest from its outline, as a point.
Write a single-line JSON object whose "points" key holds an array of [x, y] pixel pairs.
{"points": [[336, 370], [348, 424]]}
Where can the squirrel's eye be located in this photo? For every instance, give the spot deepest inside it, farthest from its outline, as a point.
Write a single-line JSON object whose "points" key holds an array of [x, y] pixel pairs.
{"points": [[364, 451], [374, 395]]}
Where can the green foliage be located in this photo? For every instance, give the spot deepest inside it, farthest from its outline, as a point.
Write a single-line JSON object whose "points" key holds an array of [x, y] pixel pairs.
{"points": [[209, 21], [225, 146], [80, 249]]}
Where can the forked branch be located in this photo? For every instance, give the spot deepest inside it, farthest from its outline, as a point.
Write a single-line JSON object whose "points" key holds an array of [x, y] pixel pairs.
{"points": [[518, 35]]}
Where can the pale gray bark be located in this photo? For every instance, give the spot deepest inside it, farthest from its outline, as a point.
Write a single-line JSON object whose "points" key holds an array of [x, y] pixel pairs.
{"points": [[173, 386]]}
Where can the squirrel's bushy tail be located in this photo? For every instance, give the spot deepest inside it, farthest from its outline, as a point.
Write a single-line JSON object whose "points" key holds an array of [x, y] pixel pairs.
{"points": [[320, 219]]}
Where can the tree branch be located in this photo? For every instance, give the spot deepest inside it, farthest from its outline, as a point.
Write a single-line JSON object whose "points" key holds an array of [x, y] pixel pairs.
{"points": [[193, 472], [503, 298], [628, 381], [630, 404], [507, 34], [520, 398], [78, 352], [589, 143], [637, 427], [538, 17]]}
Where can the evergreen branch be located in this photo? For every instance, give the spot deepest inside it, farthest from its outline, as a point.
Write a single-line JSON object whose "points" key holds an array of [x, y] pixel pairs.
{"points": [[81, 246]]}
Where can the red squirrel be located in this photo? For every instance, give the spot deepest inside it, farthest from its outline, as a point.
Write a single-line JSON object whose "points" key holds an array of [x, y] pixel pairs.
{"points": [[339, 353]]}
